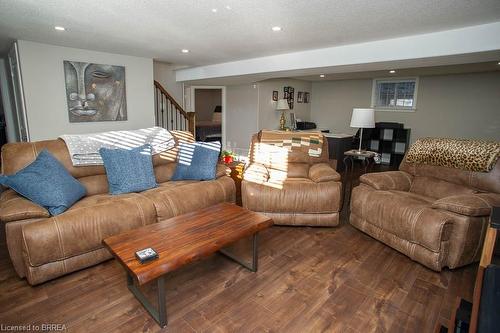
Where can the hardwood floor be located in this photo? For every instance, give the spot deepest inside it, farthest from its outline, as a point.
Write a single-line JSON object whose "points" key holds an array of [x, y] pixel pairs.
{"points": [[309, 280]]}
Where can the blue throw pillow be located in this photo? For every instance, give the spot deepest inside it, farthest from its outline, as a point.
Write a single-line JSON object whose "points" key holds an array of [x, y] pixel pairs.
{"points": [[197, 161], [129, 170], [47, 183]]}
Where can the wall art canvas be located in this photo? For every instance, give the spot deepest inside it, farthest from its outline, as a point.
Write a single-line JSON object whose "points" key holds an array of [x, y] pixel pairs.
{"points": [[95, 92]]}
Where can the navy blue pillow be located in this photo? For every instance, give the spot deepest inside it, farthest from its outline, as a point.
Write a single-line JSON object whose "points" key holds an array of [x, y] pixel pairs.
{"points": [[197, 161], [129, 170], [47, 183]]}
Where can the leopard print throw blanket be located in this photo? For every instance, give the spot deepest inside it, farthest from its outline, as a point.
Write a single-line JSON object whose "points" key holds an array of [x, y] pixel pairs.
{"points": [[470, 155], [308, 142]]}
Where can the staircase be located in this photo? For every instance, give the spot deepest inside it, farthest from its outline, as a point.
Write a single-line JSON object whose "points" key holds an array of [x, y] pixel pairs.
{"points": [[169, 114]]}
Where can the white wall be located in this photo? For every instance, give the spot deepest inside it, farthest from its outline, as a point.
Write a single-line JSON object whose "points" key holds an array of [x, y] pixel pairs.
{"points": [[45, 92], [250, 108], [459, 105], [165, 74], [268, 116], [242, 107]]}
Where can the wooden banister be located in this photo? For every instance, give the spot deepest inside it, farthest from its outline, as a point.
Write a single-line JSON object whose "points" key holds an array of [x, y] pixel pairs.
{"points": [[169, 114]]}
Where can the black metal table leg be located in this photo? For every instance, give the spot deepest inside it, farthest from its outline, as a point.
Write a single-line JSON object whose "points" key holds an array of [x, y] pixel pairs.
{"points": [[254, 265], [159, 315]]}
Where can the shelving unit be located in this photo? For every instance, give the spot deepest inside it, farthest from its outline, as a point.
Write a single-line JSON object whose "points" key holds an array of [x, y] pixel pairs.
{"points": [[391, 141]]}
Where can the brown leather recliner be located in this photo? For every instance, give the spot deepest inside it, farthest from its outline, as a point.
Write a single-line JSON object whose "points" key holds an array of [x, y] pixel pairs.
{"points": [[435, 215], [293, 189], [43, 247]]}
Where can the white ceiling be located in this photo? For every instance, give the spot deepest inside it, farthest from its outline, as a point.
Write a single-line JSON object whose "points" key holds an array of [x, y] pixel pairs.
{"points": [[160, 29]]}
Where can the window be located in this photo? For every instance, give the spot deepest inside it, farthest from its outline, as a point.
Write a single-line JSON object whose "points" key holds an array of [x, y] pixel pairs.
{"points": [[395, 94]]}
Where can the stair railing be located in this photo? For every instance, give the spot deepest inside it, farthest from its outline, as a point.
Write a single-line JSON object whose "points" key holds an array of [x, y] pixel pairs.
{"points": [[169, 114]]}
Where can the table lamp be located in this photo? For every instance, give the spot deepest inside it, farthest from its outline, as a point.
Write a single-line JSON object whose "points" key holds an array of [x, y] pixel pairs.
{"points": [[362, 118], [282, 105]]}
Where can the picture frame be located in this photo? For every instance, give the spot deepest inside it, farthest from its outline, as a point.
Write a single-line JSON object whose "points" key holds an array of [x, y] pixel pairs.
{"points": [[275, 95], [307, 97], [300, 96]]}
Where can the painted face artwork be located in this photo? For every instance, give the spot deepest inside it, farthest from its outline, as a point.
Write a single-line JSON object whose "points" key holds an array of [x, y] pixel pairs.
{"points": [[95, 92]]}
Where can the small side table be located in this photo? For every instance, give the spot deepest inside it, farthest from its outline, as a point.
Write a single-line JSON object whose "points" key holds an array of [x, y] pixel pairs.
{"points": [[237, 169], [367, 158]]}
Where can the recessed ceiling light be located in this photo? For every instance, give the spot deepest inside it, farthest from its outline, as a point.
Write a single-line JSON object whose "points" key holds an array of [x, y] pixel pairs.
{"points": [[185, 51], [276, 28], [498, 63], [59, 28], [228, 7], [214, 10], [392, 71], [322, 75]]}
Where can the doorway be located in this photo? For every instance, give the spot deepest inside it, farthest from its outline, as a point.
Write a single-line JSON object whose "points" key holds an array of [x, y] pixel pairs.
{"points": [[208, 103]]}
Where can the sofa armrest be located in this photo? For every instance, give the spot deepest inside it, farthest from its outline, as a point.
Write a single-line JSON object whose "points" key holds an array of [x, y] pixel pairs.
{"points": [[256, 172], [14, 207], [222, 170], [388, 180], [323, 172], [468, 204]]}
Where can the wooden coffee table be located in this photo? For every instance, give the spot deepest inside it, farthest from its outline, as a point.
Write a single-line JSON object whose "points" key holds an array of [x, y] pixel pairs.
{"points": [[181, 240]]}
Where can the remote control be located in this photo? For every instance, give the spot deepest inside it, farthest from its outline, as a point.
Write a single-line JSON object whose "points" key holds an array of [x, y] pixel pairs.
{"points": [[146, 255]]}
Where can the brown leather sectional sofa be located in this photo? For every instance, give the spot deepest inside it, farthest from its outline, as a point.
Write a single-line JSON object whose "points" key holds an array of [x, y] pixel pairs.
{"points": [[433, 214], [295, 189], [43, 247]]}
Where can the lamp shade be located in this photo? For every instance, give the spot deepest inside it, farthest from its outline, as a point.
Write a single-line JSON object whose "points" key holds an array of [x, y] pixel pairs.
{"points": [[363, 118], [282, 105]]}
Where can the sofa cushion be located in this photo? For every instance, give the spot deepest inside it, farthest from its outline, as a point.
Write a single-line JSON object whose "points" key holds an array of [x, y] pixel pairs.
{"points": [[293, 195], [470, 205], [46, 182], [409, 217], [129, 170], [197, 161], [179, 197], [82, 228]]}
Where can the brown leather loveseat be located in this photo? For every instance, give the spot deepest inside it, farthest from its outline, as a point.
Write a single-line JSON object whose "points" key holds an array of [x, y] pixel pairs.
{"points": [[42, 247], [292, 188], [435, 215]]}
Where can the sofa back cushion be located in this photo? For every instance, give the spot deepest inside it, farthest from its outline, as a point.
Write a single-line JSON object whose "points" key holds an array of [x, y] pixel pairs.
{"points": [[16, 156], [481, 181], [437, 188]]}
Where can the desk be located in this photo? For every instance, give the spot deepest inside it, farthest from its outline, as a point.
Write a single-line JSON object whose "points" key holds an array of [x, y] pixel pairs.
{"points": [[338, 144]]}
